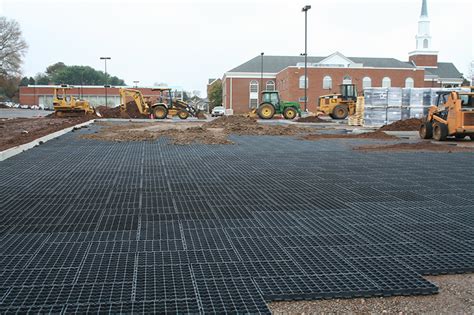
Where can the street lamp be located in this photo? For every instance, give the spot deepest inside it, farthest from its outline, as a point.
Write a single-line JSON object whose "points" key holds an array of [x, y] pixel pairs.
{"points": [[261, 75], [136, 83], [105, 85], [305, 10]]}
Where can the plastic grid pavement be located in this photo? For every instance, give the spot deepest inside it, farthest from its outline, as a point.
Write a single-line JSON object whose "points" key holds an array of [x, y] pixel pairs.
{"points": [[146, 227]]}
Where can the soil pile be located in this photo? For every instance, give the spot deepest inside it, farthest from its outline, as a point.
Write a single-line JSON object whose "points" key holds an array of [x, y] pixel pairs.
{"points": [[115, 112], [412, 124], [312, 119], [241, 125], [378, 135], [19, 131], [418, 146]]}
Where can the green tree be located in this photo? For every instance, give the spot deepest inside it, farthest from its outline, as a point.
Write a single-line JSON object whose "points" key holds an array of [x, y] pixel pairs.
{"points": [[31, 81], [42, 79], [215, 95], [55, 68], [24, 81]]}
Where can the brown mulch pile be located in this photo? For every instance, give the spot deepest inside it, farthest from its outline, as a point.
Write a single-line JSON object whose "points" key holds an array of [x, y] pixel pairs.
{"points": [[418, 146], [14, 132], [412, 124], [312, 119], [115, 112], [367, 135]]}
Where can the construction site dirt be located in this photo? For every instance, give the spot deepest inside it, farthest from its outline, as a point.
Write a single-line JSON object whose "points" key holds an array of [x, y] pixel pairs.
{"points": [[115, 112], [412, 124], [312, 119], [14, 132], [213, 132], [417, 146], [378, 135]]}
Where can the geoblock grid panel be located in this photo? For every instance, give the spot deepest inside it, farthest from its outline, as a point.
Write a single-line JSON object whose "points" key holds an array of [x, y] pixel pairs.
{"points": [[148, 227]]}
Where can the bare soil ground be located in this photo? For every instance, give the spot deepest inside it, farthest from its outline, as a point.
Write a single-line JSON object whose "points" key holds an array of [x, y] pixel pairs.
{"points": [[312, 119], [19, 131], [418, 146], [456, 296], [380, 135], [412, 124], [213, 132], [115, 112]]}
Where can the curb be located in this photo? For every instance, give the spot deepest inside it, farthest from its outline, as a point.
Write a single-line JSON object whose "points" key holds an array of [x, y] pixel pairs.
{"points": [[8, 153]]}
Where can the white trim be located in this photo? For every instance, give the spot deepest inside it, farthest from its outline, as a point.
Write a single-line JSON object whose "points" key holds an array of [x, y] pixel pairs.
{"points": [[336, 54], [231, 94], [373, 68], [250, 75], [423, 52]]}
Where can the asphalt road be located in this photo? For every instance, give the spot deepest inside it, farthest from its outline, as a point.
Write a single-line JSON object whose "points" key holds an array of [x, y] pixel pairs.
{"points": [[22, 113]]}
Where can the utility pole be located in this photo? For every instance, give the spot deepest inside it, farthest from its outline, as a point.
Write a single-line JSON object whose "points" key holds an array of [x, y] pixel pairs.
{"points": [[305, 10], [105, 85], [261, 76]]}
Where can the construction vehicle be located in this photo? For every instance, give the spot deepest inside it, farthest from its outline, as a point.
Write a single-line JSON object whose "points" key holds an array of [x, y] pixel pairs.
{"points": [[271, 105], [453, 116], [166, 105], [68, 106], [339, 106]]}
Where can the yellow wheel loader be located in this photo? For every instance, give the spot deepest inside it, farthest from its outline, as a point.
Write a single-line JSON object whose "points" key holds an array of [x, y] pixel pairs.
{"points": [[68, 106], [167, 106], [339, 106], [453, 116]]}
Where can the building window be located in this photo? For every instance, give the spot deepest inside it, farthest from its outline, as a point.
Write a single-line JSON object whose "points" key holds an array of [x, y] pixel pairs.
{"points": [[302, 82], [425, 43], [253, 86], [386, 82], [301, 99], [270, 85], [253, 103], [327, 83], [366, 83], [347, 80], [409, 83]]}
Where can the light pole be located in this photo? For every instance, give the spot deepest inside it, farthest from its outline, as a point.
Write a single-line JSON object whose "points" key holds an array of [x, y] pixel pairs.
{"points": [[305, 10], [261, 75], [105, 85]]}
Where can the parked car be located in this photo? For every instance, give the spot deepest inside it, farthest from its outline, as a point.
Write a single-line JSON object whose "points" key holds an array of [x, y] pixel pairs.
{"points": [[34, 107], [24, 106], [218, 111]]}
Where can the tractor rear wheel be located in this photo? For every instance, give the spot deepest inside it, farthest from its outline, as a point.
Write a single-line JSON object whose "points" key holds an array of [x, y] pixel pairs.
{"points": [[340, 112], [289, 113], [160, 112], [440, 131], [426, 130], [182, 114], [266, 111]]}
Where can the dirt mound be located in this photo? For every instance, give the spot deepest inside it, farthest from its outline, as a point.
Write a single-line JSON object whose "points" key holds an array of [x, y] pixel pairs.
{"points": [[412, 124], [367, 135], [201, 115], [312, 119], [234, 120], [418, 146], [115, 112]]}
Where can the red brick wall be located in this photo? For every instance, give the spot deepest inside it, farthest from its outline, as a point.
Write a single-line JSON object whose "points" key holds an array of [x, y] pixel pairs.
{"points": [[425, 60], [29, 95], [287, 82]]}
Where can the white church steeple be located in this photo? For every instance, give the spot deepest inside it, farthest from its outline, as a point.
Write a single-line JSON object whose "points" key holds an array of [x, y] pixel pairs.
{"points": [[423, 40]]}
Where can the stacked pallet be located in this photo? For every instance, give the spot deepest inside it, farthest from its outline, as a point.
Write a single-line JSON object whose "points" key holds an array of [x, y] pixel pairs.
{"points": [[358, 118]]}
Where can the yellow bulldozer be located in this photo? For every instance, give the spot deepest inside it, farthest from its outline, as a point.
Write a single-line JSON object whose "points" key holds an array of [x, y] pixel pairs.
{"points": [[339, 106], [164, 106], [66, 105], [453, 116]]}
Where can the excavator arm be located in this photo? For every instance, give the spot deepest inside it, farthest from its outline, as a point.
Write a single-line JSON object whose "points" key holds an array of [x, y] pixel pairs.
{"points": [[137, 97]]}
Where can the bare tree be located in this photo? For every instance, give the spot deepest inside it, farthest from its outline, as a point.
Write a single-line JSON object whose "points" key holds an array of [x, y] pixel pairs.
{"points": [[12, 47]]}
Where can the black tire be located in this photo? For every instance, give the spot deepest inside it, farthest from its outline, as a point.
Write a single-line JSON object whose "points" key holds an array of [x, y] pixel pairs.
{"points": [[471, 136], [160, 112], [290, 113], [340, 112], [426, 130], [440, 131], [182, 114], [266, 111], [460, 137]]}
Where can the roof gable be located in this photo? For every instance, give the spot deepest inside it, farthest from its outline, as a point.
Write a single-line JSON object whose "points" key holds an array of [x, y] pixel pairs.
{"points": [[336, 59]]}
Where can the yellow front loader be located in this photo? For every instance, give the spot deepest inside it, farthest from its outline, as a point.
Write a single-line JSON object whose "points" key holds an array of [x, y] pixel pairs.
{"points": [[68, 106], [137, 96]]}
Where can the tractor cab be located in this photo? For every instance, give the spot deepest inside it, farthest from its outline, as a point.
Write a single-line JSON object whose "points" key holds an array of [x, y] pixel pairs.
{"points": [[272, 97], [164, 97], [348, 92]]}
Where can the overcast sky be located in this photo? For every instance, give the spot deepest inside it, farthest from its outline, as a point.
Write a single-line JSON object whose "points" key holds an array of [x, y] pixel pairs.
{"points": [[185, 42]]}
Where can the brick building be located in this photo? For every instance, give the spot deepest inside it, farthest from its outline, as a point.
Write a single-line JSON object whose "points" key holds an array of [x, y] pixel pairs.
{"points": [[242, 85], [43, 94]]}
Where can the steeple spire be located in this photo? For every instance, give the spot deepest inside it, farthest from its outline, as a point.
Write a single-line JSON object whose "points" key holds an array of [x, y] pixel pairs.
{"points": [[424, 9]]}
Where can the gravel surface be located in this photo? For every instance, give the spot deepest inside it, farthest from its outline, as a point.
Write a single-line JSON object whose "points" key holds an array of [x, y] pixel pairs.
{"points": [[22, 113], [456, 296]]}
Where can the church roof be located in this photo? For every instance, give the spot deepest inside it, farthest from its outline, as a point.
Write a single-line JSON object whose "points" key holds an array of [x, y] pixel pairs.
{"points": [[275, 64], [424, 8], [445, 70]]}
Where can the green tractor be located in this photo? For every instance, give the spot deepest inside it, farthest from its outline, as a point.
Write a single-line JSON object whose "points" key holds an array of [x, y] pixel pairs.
{"points": [[272, 105]]}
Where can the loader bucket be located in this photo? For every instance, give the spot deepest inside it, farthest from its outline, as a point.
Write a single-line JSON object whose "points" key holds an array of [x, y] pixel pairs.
{"points": [[252, 113]]}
